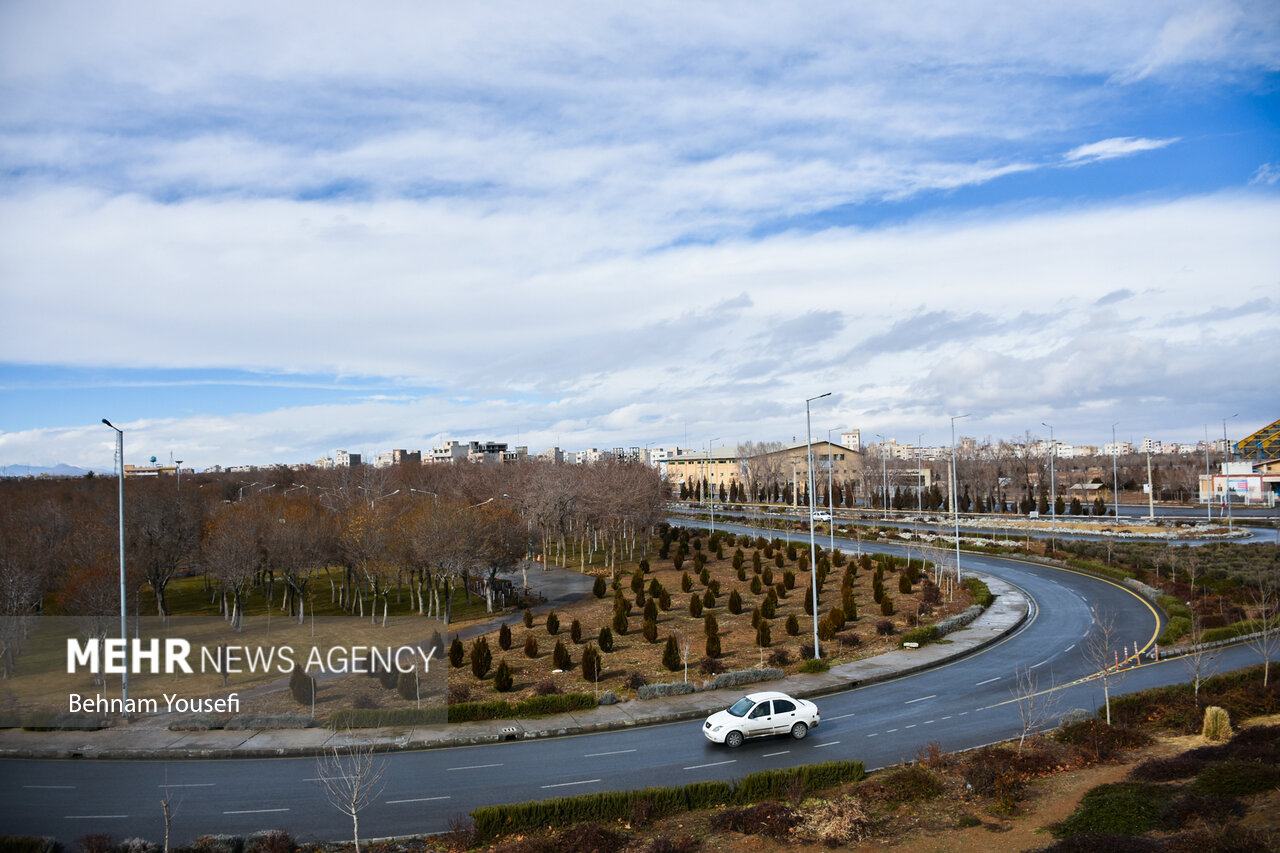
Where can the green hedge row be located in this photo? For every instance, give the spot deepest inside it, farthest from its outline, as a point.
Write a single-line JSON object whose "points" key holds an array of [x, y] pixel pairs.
{"points": [[464, 712], [1174, 607], [1174, 630], [613, 806], [1230, 632], [923, 635], [1099, 568], [981, 592]]}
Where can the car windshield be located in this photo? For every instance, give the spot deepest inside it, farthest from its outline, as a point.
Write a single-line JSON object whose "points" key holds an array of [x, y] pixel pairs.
{"points": [[741, 707]]}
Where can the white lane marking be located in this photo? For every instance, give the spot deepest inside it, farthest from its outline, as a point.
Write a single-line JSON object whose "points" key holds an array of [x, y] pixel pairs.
{"points": [[188, 785], [927, 723], [962, 713], [947, 717], [841, 717], [51, 787], [873, 734], [912, 726], [772, 754], [1038, 665], [256, 811], [95, 817], [615, 752], [713, 764], [1069, 648], [891, 731], [921, 699], [567, 784], [829, 743], [416, 800], [988, 681], [474, 767]]}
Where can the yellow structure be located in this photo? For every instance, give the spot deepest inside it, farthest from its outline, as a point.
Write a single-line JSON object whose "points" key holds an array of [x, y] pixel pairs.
{"points": [[1263, 444]]}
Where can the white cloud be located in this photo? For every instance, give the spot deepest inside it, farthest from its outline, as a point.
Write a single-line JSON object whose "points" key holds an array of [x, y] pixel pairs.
{"points": [[1107, 149]]}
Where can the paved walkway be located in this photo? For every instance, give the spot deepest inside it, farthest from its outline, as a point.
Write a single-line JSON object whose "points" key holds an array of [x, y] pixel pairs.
{"points": [[1003, 617]]}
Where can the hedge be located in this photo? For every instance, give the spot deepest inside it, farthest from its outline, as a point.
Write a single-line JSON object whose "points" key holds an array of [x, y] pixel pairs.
{"points": [[980, 591], [1174, 607], [614, 806], [747, 676]]}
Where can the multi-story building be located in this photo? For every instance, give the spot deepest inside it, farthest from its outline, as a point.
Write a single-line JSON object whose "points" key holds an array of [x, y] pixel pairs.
{"points": [[450, 451], [722, 467], [343, 459]]}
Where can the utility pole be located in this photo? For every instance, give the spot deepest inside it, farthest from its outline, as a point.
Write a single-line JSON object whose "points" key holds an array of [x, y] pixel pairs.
{"points": [[813, 560]]}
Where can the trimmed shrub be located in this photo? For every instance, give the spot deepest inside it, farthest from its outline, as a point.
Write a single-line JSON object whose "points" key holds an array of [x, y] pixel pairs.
{"points": [[504, 637], [713, 646], [503, 679], [886, 606], [793, 625], [813, 665], [735, 602], [527, 618], [651, 610], [599, 587], [650, 630], [710, 627], [739, 677], [671, 655], [481, 658], [302, 686], [620, 622], [1217, 724], [709, 598], [664, 600], [757, 586], [661, 690], [560, 655], [530, 646], [407, 685], [605, 639], [695, 605], [575, 631], [553, 623], [885, 628], [591, 662], [769, 605], [764, 636], [923, 635], [457, 652], [686, 582]]}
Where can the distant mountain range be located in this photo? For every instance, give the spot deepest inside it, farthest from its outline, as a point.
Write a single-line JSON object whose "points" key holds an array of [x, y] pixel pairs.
{"points": [[59, 470]]}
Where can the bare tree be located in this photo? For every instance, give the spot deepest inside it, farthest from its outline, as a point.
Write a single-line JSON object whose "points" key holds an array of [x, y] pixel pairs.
{"points": [[1199, 659], [351, 777], [1100, 651], [1035, 707], [1266, 604]]}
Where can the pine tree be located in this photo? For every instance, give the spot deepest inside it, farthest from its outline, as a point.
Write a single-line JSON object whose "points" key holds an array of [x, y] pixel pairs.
{"points": [[553, 623], [481, 658], [530, 646], [764, 634], [650, 630], [591, 663], [560, 655], [735, 602], [793, 625], [456, 653], [605, 639], [504, 637], [503, 679], [709, 625], [671, 655], [575, 631], [599, 586]]}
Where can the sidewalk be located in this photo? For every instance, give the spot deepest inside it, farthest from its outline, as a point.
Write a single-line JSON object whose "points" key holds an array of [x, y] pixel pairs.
{"points": [[1004, 616]]}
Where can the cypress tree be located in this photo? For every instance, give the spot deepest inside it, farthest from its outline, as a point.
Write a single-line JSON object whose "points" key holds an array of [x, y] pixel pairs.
{"points": [[504, 637], [481, 658], [456, 653], [503, 679], [671, 655]]}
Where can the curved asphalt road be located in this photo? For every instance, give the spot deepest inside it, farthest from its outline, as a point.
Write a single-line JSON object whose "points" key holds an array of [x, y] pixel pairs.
{"points": [[961, 705]]}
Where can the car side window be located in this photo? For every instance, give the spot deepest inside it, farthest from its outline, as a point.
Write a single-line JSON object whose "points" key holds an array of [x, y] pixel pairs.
{"points": [[761, 710], [782, 706]]}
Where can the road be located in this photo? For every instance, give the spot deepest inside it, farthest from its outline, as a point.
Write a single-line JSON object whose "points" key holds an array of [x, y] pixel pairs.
{"points": [[964, 704]]}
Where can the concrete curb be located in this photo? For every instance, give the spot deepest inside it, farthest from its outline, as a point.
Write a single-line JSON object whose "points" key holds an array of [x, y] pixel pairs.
{"points": [[1005, 615]]}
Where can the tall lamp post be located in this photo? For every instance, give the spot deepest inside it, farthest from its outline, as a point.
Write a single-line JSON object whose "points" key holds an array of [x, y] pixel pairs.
{"points": [[178, 470], [1226, 466], [955, 493], [813, 561], [124, 602], [1053, 490]]}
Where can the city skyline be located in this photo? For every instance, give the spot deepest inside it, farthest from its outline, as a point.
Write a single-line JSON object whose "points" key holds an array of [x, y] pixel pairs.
{"points": [[255, 235]]}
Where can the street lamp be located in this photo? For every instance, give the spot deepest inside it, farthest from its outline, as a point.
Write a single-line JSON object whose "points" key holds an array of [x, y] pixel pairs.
{"points": [[124, 614], [955, 508], [178, 469], [813, 562], [1226, 466], [1053, 490]]}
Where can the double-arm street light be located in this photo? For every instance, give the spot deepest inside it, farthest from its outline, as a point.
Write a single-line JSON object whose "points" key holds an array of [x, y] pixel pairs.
{"points": [[813, 560], [124, 614], [831, 509], [711, 445], [1115, 475]]}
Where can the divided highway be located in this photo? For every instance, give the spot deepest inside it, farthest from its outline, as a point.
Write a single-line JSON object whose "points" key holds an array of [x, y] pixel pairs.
{"points": [[964, 704]]}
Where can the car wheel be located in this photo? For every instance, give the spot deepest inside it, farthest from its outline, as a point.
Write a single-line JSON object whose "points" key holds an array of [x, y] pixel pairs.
{"points": [[799, 730], [733, 739]]}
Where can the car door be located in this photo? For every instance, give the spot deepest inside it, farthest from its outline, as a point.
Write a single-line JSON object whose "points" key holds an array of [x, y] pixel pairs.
{"points": [[785, 715], [760, 720]]}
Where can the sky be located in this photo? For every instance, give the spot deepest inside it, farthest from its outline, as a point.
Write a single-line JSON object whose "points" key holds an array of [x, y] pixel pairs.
{"points": [[254, 233]]}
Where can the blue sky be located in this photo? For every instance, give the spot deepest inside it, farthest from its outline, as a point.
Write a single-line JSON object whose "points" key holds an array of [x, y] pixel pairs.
{"points": [[257, 235]]}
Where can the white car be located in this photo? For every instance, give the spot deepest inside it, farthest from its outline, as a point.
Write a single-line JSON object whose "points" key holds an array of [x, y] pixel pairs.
{"points": [[760, 715], [822, 515]]}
